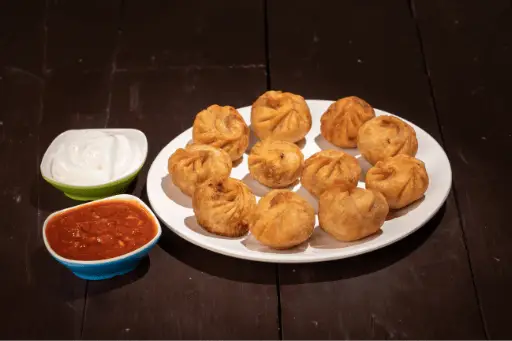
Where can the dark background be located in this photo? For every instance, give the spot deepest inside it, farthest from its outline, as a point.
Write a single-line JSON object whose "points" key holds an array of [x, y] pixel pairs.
{"points": [[446, 65]]}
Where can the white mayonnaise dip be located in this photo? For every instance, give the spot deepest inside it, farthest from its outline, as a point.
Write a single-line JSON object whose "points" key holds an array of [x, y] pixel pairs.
{"points": [[91, 157]]}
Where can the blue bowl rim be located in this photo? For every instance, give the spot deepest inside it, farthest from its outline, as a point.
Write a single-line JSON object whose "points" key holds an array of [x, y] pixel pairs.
{"points": [[142, 248]]}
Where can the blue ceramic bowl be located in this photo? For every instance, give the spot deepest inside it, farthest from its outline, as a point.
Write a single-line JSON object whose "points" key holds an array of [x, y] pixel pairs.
{"points": [[106, 268]]}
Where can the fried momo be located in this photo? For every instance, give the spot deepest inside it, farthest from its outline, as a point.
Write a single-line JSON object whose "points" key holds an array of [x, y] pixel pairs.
{"points": [[342, 120], [280, 115], [197, 163], [222, 127], [402, 179], [329, 168], [386, 136], [353, 214], [224, 207], [282, 219], [275, 163]]}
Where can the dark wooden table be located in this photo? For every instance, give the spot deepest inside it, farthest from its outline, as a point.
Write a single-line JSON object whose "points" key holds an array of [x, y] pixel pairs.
{"points": [[446, 65]]}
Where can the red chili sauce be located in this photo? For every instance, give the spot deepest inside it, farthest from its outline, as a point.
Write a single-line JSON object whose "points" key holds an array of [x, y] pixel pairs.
{"points": [[100, 230]]}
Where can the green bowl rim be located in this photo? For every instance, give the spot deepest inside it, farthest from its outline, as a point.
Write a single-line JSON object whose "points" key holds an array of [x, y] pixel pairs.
{"points": [[102, 186]]}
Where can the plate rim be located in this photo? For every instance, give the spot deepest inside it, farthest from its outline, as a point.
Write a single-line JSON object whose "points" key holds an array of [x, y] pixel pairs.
{"points": [[317, 258]]}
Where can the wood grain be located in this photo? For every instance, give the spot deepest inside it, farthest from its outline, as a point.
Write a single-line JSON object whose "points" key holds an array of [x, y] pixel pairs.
{"points": [[77, 95], [468, 49], [42, 103], [152, 65], [193, 33], [182, 291], [35, 303], [22, 35], [194, 293], [420, 287], [82, 34]]}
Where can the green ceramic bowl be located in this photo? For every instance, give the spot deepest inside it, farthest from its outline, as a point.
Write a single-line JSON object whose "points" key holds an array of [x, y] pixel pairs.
{"points": [[86, 193]]}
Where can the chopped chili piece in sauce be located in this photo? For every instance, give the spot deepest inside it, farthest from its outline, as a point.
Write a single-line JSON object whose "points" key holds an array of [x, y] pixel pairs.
{"points": [[100, 230]]}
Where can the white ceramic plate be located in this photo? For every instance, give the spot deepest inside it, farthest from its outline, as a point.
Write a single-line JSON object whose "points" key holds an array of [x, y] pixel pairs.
{"points": [[175, 209]]}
